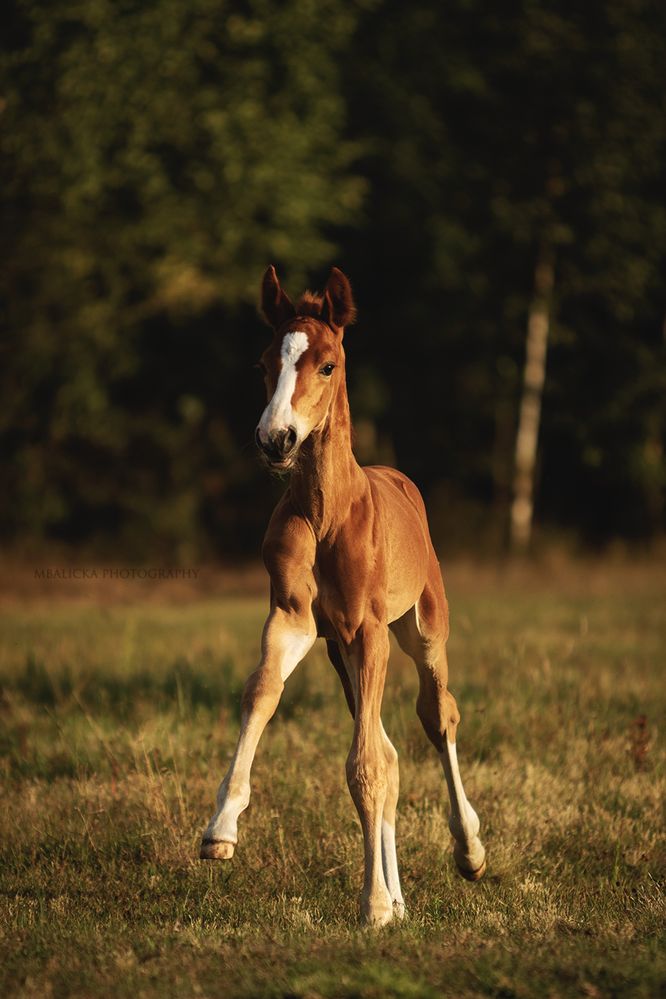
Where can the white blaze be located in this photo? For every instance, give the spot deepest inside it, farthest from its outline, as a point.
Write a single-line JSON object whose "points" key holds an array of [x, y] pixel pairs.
{"points": [[279, 413]]}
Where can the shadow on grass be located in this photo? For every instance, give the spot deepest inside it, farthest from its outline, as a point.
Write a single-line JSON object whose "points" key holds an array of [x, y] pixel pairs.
{"points": [[182, 687]]}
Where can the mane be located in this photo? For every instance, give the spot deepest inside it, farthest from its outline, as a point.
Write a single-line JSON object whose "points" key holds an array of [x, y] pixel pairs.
{"points": [[310, 304]]}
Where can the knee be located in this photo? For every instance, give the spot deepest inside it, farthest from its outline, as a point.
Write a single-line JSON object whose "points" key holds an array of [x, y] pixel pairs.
{"points": [[439, 716], [262, 685], [452, 714], [367, 773]]}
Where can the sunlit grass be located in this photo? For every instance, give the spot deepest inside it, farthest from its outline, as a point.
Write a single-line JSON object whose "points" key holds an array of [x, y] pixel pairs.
{"points": [[116, 726]]}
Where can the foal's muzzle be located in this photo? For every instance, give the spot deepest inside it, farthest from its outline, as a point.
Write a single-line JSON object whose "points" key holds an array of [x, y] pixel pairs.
{"points": [[278, 446]]}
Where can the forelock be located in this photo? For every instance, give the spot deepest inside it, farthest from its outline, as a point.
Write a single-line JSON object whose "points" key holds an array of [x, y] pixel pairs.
{"points": [[310, 304]]}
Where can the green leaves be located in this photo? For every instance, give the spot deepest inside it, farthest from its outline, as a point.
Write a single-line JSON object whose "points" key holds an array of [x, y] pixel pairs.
{"points": [[154, 157], [157, 155]]}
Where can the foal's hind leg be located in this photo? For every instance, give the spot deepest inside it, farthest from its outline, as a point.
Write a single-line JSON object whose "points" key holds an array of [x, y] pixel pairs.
{"points": [[389, 854], [422, 634]]}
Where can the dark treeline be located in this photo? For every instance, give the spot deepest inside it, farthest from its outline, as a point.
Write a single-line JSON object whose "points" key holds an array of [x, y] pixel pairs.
{"points": [[156, 156]]}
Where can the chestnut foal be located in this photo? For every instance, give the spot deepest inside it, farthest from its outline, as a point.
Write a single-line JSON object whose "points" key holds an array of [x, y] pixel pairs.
{"points": [[349, 555]]}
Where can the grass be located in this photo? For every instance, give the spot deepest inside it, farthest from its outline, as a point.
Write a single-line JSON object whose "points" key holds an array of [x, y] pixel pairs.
{"points": [[117, 720]]}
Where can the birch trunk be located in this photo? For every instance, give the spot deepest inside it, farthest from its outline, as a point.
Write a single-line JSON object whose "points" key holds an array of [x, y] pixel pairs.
{"points": [[538, 325]]}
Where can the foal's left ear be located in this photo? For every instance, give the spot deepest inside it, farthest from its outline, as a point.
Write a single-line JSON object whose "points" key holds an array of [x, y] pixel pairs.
{"points": [[339, 309], [275, 303]]}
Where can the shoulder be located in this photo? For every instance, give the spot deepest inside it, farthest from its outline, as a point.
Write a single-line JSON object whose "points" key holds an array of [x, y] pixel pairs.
{"points": [[288, 536], [289, 551]]}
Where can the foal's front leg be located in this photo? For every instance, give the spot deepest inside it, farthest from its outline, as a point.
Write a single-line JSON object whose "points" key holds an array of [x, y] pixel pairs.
{"points": [[367, 768], [287, 637], [389, 855]]}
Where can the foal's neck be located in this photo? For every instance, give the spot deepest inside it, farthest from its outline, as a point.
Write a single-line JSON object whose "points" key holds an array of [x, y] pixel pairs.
{"points": [[328, 478]]}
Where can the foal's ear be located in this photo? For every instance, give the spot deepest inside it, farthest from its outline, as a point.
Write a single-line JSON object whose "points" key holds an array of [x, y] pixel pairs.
{"points": [[275, 304], [339, 309]]}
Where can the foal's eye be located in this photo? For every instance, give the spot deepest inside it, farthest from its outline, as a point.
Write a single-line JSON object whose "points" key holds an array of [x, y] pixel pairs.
{"points": [[327, 370], [260, 366]]}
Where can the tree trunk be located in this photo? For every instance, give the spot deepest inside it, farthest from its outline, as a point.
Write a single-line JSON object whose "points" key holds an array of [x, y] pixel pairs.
{"points": [[538, 324]]}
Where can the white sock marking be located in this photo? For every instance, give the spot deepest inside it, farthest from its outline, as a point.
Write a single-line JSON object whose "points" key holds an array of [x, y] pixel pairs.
{"points": [[390, 865], [295, 647], [233, 795], [463, 821]]}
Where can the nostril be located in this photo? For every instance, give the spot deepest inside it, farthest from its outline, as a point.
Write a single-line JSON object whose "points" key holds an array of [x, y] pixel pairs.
{"points": [[279, 443], [273, 445], [257, 438]]}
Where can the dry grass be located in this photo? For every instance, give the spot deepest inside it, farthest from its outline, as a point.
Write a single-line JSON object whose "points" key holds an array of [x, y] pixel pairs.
{"points": [[118, 719]]}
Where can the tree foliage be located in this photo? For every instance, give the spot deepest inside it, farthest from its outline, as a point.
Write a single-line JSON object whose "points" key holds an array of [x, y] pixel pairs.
{"points": [[501, 135], [157, 156]]}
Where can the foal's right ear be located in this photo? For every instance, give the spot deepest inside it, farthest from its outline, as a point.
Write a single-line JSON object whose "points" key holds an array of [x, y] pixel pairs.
{"points": [[339, 309], [275, 304]]}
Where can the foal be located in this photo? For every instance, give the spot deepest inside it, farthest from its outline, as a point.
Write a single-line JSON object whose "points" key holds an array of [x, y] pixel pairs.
{"points": [[349, 555]]}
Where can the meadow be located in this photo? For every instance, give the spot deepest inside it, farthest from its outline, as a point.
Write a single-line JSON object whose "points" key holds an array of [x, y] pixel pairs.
{"points": [[118, 714]]}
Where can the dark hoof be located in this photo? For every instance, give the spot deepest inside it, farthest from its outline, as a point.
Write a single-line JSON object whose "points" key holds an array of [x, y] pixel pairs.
{"points": [[472, 875]]}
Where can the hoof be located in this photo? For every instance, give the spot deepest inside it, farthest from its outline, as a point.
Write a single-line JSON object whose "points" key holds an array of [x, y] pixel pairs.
{"points": [[378, 915], [472, 875], [216, 850], [470, 859], [375, 920]]}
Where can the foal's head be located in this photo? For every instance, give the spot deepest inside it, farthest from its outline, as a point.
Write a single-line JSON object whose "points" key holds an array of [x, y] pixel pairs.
{"points": [[303, 364]]}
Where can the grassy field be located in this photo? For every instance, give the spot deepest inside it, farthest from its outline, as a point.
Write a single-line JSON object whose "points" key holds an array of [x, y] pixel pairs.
{"points": [[119, 711]]}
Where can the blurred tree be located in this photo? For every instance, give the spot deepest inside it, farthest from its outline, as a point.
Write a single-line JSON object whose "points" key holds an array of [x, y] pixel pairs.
{"points": [[529, 417], [155, 157], [509, 144]]}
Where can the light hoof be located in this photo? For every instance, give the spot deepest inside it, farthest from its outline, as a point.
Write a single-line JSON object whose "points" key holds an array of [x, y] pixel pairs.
{"points": [[378, 914], [216, 850], [399, 910], [377, 918]]}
